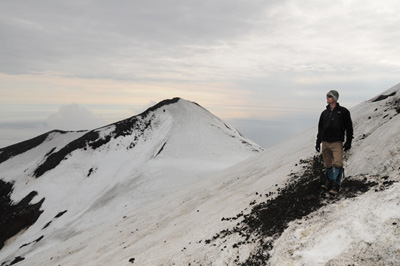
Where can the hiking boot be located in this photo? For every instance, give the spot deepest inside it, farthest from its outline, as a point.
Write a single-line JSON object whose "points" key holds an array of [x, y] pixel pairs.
{"points": [[335, 189], [328, 185], [333, 192]]}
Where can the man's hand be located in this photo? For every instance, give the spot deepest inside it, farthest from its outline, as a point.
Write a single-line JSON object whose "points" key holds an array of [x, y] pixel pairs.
{"points": [[347, 145], [318, 147]]}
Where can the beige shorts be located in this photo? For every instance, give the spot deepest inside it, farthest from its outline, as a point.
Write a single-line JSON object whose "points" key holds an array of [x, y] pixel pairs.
{"points": [[332, 152]]}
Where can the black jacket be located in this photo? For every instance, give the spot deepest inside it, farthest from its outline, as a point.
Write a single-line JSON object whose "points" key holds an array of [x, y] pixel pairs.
{"points": [[333, 125]]}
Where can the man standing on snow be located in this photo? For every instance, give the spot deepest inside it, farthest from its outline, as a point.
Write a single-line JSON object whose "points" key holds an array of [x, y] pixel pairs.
{"points": [[334, 123]]}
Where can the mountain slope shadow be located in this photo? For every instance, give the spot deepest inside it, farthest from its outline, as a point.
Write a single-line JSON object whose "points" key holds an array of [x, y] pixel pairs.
{"points": [[300, 197]]}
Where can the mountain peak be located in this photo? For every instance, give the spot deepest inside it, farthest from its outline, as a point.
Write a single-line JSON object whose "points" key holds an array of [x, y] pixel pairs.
{"points": [[159, 105], [188, 118], [77, 174]]}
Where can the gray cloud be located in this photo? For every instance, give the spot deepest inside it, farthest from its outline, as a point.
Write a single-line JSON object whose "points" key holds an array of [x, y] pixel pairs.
{"points": [[198, 40], [73, 117], [98, 37]]}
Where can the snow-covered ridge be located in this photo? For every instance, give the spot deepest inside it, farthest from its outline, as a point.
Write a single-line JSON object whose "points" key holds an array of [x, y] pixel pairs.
{"points": [[13, 150], [192, 224], [71, 180]]}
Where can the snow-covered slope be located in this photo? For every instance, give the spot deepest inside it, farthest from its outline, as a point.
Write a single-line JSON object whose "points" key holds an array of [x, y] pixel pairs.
{"points": [[267, 209], [82, 179]]}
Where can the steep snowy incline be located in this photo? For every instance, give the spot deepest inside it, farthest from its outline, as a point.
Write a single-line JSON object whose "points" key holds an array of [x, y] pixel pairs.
{"points": [[364, 230], [208, 222], [377, 135], [83, 179]]}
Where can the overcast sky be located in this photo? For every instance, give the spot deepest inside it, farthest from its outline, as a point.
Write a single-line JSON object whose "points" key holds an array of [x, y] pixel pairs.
{"points": [[263, 66]]}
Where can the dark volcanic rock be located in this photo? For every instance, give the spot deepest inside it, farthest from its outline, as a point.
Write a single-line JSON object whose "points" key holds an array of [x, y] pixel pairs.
{"points": [[301, 196], [13, 150], [383, 97], [16, 217], [16, 260], [92, 139], [159, 105]]}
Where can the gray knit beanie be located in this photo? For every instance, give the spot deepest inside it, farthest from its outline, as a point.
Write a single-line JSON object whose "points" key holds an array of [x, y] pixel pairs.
{"points": [[334, 94]]}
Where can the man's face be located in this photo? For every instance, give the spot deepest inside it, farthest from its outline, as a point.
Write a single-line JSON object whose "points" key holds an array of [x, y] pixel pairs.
{"points": [[329, 99]]}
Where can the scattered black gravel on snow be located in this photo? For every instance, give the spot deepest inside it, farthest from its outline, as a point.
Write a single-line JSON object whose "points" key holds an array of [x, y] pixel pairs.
{"points": [[301, 196], [393, 103]]}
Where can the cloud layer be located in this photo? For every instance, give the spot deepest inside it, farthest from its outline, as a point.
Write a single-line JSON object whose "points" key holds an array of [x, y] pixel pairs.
{"points": [[73, 117], [192, 40], [255, 60]]}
